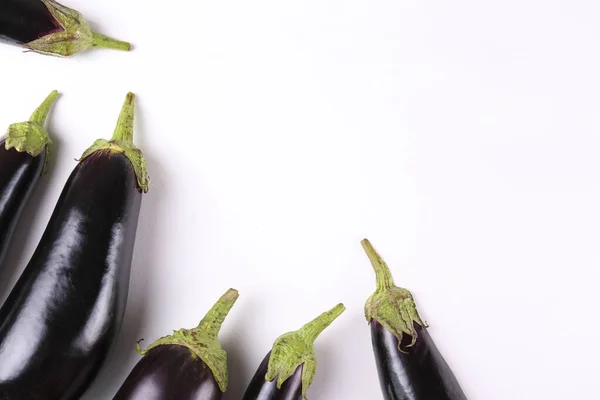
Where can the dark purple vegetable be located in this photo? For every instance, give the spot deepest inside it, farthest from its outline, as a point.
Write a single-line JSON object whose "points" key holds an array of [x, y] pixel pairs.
{"points": [[409, 364], [47, 27], [62, 316], [23, 154], [289, 368], [188, 365]]}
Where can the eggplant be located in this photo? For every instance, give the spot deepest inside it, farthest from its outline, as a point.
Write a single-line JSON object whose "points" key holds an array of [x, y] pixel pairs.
{"points": [[47, 27], [289, 368], [409, 364], [187, 365], [62, 316], [23, 156]]}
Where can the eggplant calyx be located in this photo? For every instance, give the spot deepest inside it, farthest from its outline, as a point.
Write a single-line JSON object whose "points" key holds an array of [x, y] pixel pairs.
{"points": [[30, 136], [74, 37], [294, 349], [391, 306], [203, 340], [122, 142]]}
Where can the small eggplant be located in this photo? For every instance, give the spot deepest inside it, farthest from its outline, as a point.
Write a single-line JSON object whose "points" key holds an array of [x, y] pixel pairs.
{"points": [[409, 364], [59, 321], [289, 368], [47, 27], [187, 365], [23, 156]]}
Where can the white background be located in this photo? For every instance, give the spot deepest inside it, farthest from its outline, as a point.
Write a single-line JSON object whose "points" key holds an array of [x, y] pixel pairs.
{"points": [[461, 137]]}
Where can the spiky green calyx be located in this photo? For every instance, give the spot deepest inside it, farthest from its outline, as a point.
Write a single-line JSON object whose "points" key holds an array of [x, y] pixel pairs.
{"points": [[391, 306], [294, 349], [74, 36], [30, 136], [122, 142], [203, 340]]}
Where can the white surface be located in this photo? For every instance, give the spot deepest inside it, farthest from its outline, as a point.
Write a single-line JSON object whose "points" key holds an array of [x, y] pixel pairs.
{"points": [[462, 138]]}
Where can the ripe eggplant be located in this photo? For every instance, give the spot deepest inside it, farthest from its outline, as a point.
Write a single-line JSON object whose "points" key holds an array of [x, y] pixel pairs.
{"points": [[47, 27], [59, 321], [289, 368], [188, 365], [409, 364], [23, 155]]}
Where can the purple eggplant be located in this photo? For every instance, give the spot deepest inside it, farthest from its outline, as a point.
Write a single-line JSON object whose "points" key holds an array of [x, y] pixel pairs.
{"points": [[187, 365], [23, 156], [47, 27], [60, 319], [289, 368], [409, 364]]}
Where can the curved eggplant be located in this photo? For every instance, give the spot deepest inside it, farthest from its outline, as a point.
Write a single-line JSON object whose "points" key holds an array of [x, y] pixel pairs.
{"points": [[47, 27], [409, 364], [62, 316], [289, 368], [23, 155], [188, 365]]}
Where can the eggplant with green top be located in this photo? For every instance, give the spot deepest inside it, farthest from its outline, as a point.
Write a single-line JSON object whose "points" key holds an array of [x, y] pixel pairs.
{"points": [[23, 157], [409, 364], [48, 27], [62, 316], [289, 368], [187, 365]]}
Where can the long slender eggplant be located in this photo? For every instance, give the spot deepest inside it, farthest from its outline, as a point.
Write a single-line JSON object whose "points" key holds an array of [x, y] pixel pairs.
{"points": [[47, 27], [187, 365], [59, 321], [289, 368], [23, 155], [409, 364]]}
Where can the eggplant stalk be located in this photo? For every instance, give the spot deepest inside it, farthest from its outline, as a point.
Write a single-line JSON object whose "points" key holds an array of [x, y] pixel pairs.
{"points": [[392, 306], [289, 368], [74, 36], [31, 136], [122, 143], [203, 339]]}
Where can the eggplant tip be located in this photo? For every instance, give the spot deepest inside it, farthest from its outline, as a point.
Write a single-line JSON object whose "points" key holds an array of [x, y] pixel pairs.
{"points": [[231, 295]]}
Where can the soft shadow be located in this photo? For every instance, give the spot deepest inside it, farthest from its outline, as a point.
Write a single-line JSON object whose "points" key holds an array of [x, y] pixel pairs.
{"points": [[328, 355], [235, 344], [325, 367], [123, 354], [16, 259]]}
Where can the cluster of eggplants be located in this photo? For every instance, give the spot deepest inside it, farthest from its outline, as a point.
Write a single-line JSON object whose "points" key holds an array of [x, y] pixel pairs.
{"points": [[48, 27], [64, 312], [190, 364]]}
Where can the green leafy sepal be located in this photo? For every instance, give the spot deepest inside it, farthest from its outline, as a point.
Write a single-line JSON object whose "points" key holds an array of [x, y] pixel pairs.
{"points": [[74, 36], [122, 142], [30, 136], [391, 306], [294, 349], [203, 340]]}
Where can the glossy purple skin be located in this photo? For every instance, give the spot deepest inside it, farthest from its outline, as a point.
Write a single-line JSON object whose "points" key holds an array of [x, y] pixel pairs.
{"points": [[23, 21], [261, 389], [58, 323], [170, 372], [418, 373], [19, 173]]}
